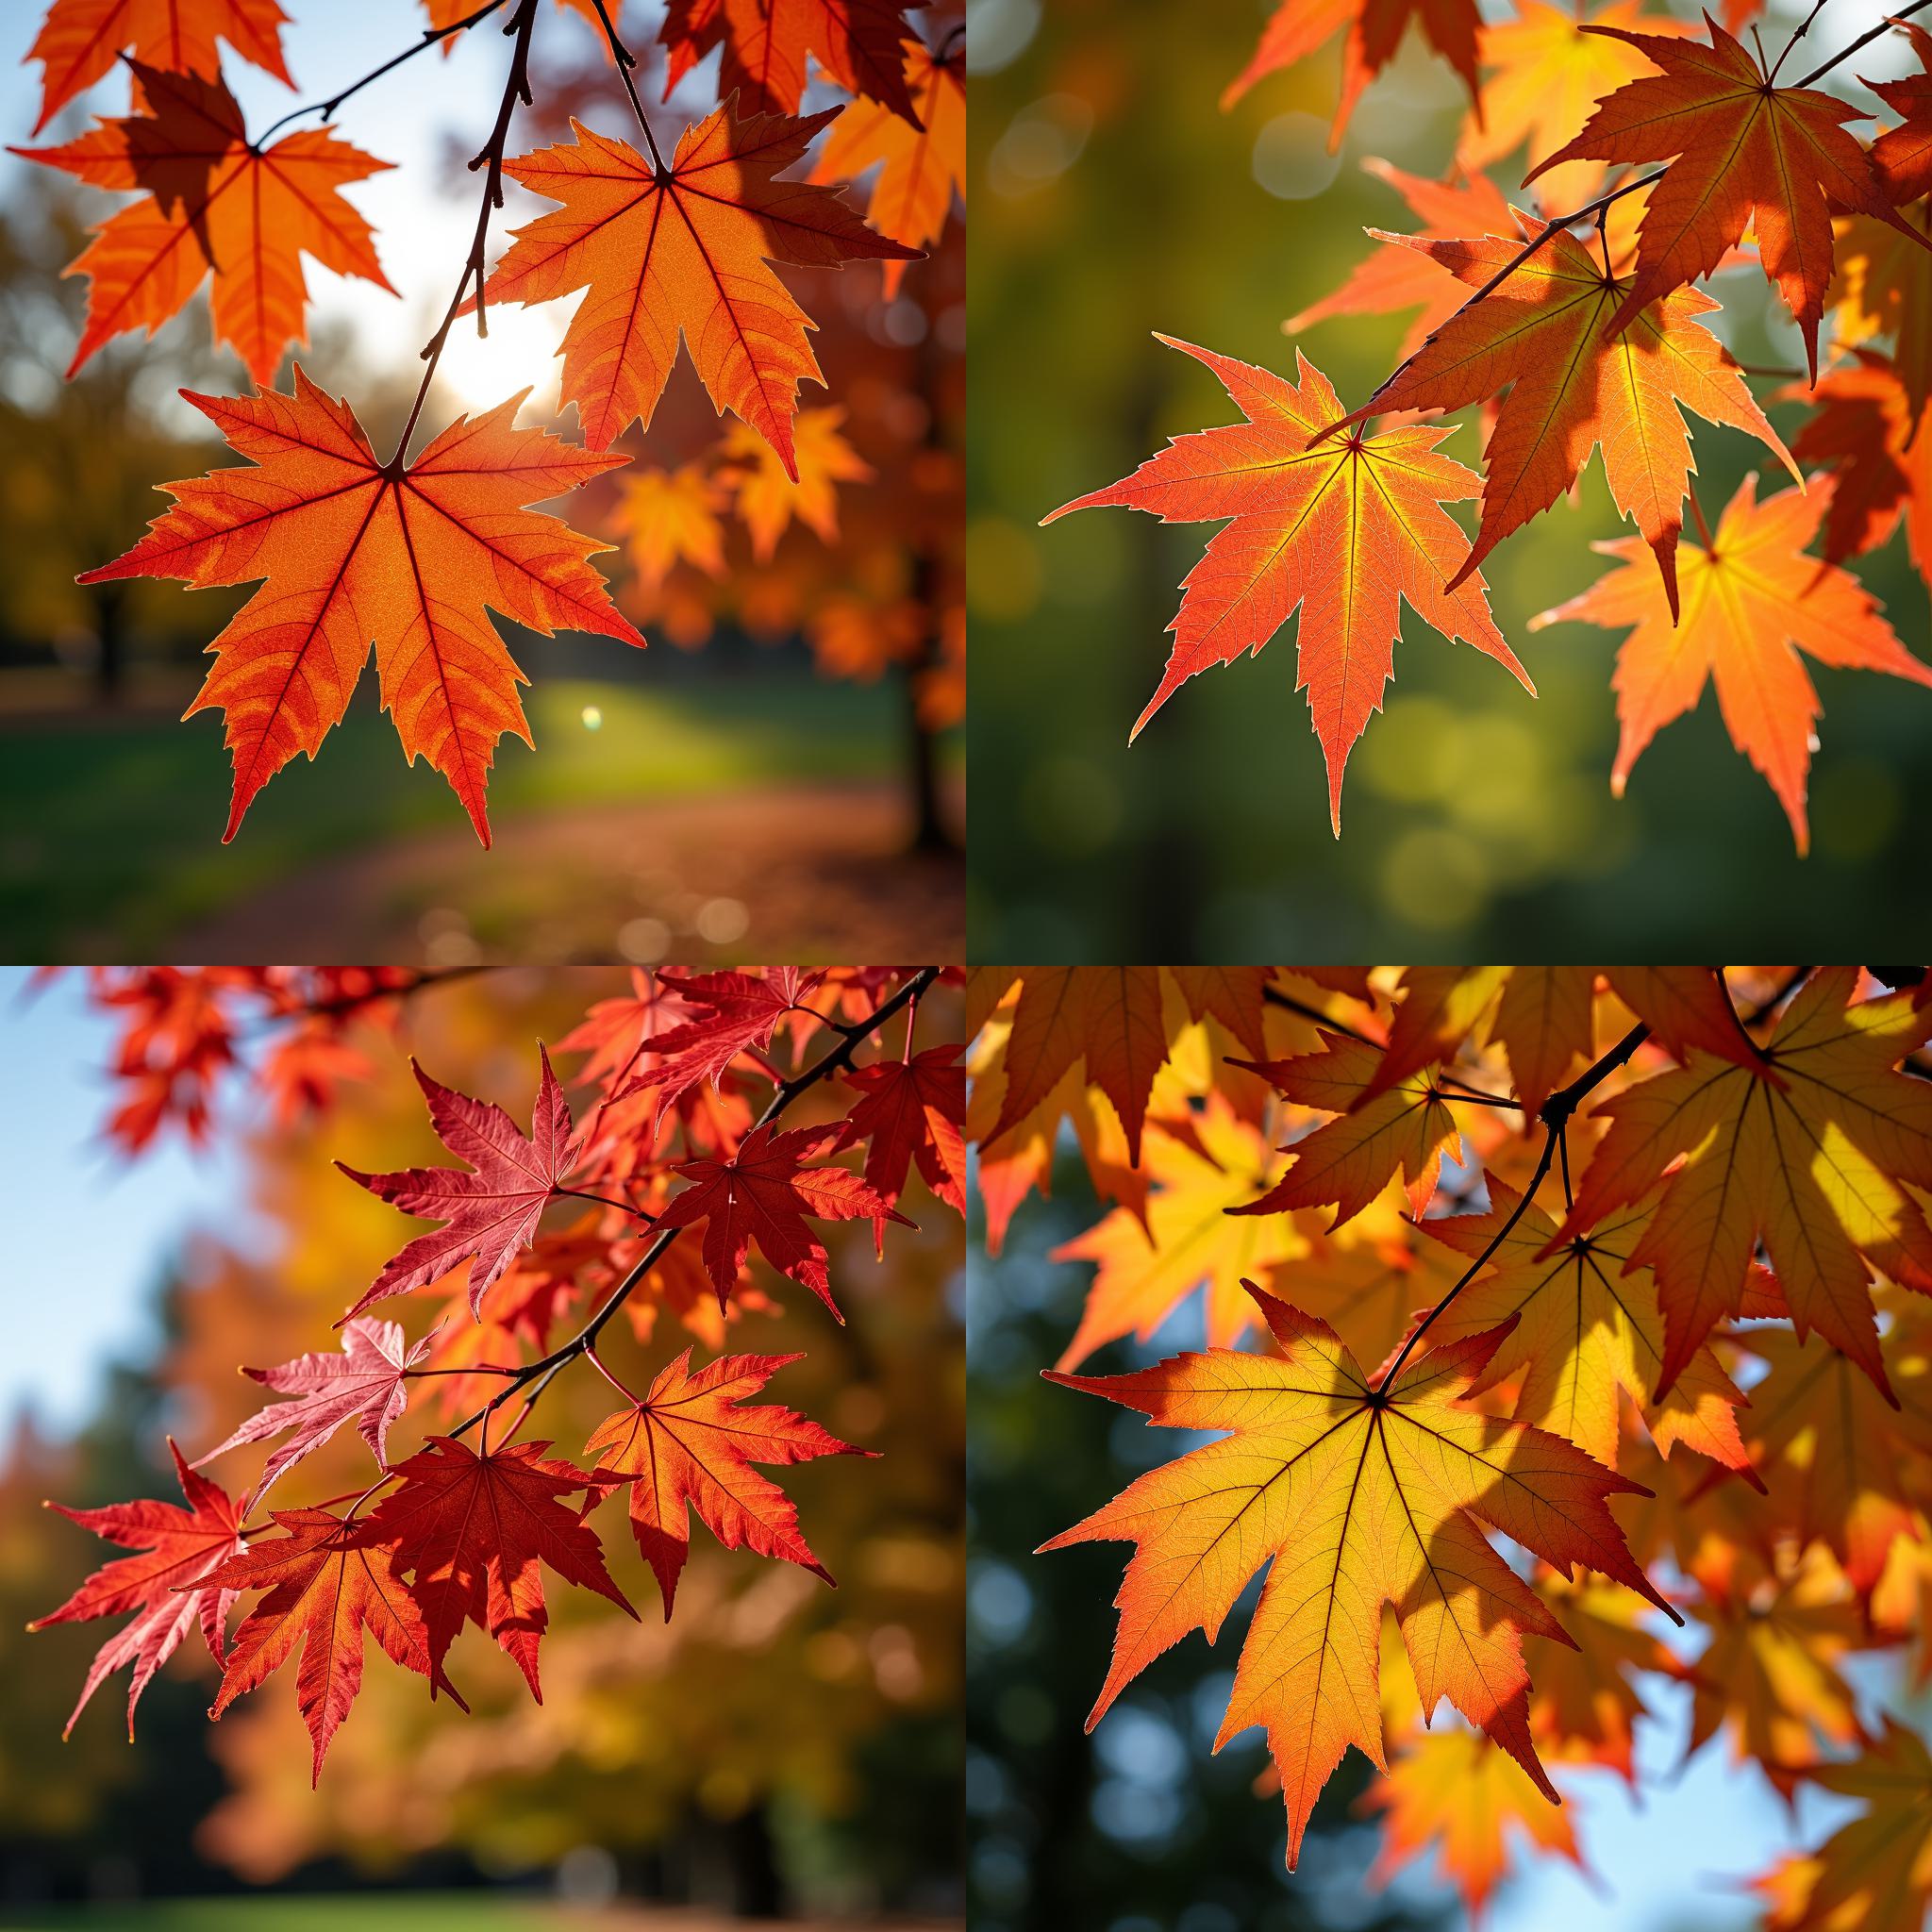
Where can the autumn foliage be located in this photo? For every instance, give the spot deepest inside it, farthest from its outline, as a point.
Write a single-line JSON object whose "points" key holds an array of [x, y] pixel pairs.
{"points": [[1577, 312], [665, 1191], [667, 252], [1533, 1331]]}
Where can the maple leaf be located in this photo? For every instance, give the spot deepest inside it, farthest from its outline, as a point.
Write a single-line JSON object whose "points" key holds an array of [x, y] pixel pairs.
{"points": [[1746, 153], [216, 205], [167, 1585], [1188, 1236], [1882, 286], [691, 1444], [1548, 74], [912, 1109], [1375, 29], [685, 250], [762, 1194], [731, 1013], [1105, 1020], [1346, 1162], [1810, 1151], [673, 518], [351, 547], [860, 43], [1868, 433], [327, 1580], [472, 1532], [1395, 277], [1833, 1452], [1456, 1790], [769, 495], [1751, 602], [1573, 383], [1356, 1497], [1902, 156], [1235, 996], [81, 39], [1588, 1326], [491, 1209], [1343, 530], [920, 167], [366, 1383], [1874, 1872]]}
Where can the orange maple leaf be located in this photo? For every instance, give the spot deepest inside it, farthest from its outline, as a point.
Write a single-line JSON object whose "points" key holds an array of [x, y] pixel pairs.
{"points": [[859, 43], [691, 1443], [1813, 1150], [1356, 1496], [770, 493], [1573, 383], [80, 40], [686, 249], [1344, 529], [1375, 28], [215, 205], [920, 167], [673, 517], [1866, 432], [1751, 601], [351, 547], [1745, 153]]}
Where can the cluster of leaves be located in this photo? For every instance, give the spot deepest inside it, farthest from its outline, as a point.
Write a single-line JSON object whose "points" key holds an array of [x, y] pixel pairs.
{"points": [[1656, 158], [663, 248], [685, 1080], [1624, 1265]]}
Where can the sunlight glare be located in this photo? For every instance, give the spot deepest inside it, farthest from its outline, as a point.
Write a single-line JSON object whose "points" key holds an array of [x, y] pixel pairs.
{"points": [[520, 349]]}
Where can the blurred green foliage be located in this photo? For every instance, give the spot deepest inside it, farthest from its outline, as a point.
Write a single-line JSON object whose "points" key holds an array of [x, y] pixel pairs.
{"points": [[1140, 1826], [1114, 198]]}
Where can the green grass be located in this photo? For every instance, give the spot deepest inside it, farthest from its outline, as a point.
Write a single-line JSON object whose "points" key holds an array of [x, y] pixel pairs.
{"points": [[455, 1911], [110, 831]]}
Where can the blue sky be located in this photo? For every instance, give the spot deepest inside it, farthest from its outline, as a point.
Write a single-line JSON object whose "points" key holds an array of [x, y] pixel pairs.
{"points": [[89, 1232]]}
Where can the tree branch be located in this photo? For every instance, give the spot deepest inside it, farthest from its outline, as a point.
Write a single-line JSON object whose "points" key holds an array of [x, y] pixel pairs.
{"points": [[541, 1373]]}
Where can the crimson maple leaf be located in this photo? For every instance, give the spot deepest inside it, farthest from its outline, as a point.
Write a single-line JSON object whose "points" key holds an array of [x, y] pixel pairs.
{"points": [[1746, 153], [168, 1584], [861, 44], [216, 204], [731, 1013], [912, 1109], [763, 1193], [368, 1381], [327, 1580], [685, 248], [473, 1530], [490, 1212], [689, 1444], [80, 40], [1343, 530]]}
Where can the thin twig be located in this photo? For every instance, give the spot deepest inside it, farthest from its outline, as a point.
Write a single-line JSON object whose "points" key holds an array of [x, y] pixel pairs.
{"points": [[515, 88], [541, 1372], [1771, 1002], [431, 35], [626, 61], [1273, 997], [1803, 27], [1864, 39]]}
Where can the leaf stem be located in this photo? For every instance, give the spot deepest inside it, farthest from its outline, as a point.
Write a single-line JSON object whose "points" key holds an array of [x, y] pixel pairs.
{"points": [[585, 1339], [1273, 997], [627, 61], [516, 88]]}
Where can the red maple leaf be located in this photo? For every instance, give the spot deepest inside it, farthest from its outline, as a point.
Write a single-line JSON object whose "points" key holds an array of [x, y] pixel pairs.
{"points": [[168, 1584], [732, 1013], [763, 1193], [914, 1110], [367, 1381], [860, 43], [689, 1445], [329, 1580], [490, 1214], [472, 1530]]}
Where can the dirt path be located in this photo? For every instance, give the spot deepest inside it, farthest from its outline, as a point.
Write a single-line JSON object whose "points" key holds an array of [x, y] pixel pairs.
{"points": [[793, 873]]}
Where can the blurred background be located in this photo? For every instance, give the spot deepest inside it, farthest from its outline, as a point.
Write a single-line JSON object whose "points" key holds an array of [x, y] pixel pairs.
{"points": [[778, 1746], [1140, 1828], [779, 776], [1115, 198]]}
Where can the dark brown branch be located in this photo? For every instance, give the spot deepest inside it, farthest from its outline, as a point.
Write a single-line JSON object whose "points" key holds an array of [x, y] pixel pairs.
{"points": [[1864, 39], [627, 61], [541, 1373]]}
